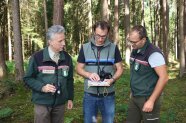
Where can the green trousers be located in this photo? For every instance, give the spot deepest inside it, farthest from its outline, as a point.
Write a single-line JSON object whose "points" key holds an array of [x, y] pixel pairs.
{"points": [[136, 115]]}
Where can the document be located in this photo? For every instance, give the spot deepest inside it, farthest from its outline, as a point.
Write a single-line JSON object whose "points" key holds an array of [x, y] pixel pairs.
{"points": [[99, 83]]}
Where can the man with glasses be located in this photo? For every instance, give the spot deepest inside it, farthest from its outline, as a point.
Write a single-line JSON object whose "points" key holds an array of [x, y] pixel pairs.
{"points": [[99, 61], [148, 77]]}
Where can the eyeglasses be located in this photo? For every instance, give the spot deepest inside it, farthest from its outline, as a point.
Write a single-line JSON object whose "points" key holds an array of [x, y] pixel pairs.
{"points": [[97, 36], [132, 42]]}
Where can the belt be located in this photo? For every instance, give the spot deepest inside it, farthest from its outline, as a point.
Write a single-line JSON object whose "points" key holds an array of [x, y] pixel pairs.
{"points": [[102, 95]]}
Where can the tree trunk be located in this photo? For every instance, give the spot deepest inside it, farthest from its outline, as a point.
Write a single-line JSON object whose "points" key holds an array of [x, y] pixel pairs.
{"points": [[9, 33], [105, 10], [18, 56], [133, 12], [142, 13], [175, 39], [46, 20], [89, 18], [151, 23], [184, 20], [116, 23], [58, 12], [3, 68], [181, 35], [127, 28], [156, 24], [3, 24], [165, 26]]}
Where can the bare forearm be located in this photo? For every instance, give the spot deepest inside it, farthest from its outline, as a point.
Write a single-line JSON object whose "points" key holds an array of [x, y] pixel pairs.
{"points": [[158, 89], [118, 74], [119, 71], [83, 73]]}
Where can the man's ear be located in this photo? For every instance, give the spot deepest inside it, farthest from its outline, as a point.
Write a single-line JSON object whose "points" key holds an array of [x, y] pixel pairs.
{"points": [[49, 42]]}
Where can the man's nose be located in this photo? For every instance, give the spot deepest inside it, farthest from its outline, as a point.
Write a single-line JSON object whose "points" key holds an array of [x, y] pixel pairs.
{"points": [[63, 42]]}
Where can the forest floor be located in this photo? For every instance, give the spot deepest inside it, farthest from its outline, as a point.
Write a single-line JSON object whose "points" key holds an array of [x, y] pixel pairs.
{"points": [[173, 106]]}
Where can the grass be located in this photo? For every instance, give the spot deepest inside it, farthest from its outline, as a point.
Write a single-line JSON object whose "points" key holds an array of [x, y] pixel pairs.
{"points": [[173, 105]]}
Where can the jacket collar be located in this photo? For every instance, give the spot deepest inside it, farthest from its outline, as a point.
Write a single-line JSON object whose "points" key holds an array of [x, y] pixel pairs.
{"points": [[107, 41], [46, 56]]}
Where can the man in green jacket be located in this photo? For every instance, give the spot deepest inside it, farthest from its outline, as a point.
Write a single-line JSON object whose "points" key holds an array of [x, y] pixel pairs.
{"points": [[148, 77], [50, 76]]}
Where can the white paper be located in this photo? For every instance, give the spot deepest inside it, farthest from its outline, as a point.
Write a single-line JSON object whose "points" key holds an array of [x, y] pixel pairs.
{"points": [[99, 83]]}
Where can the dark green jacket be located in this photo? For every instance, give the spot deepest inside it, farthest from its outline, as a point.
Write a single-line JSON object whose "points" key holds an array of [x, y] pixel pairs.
{"points": [[42, 70], [143, 78]]}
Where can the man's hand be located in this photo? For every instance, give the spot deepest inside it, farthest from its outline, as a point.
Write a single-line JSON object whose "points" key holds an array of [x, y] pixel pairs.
{"points": [[109, 81], [148, 106], [69, 104], [49, 88], [94, 77]]}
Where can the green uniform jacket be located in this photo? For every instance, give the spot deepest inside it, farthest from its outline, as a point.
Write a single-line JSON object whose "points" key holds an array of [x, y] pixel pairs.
{"points": [[42, 70]]}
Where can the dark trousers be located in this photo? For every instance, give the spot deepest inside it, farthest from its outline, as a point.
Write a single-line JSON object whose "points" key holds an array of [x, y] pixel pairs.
{"points": [[44, 114], [136, 115]]}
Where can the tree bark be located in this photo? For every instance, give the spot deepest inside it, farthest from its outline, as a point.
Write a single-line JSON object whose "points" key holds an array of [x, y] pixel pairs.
{"points": [[165, 26], [133, 14], [184, 19], [3, 67], [127, 28], [58, 12], [181, 35], [18, 55], [156, 24], [142, 13], [105, 10], [116, 23], [46, 19], [89, 17], [9, 33], [3, 20]]}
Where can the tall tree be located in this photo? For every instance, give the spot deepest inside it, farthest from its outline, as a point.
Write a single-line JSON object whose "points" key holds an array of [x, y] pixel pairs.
{"points": [[181, 35], [89, 17], [3, 24], [185, 24], [9, 32], [105, 10], [127, 28], [165, 27], [58, 12], [116, 23], [133, 12], [45, 16], [18, 56], [156, 23], [3, 68], [142, 13], [151, 22]]}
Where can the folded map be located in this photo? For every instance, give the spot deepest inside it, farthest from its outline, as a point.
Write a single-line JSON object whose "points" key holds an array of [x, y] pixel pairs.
{"points": [[99, 83]]}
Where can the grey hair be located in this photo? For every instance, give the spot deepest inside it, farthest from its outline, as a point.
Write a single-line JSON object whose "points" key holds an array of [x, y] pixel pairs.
{"points": [[55, 29]]}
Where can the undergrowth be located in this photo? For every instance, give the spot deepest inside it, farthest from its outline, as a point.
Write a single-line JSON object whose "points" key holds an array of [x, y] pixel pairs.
{"points": [[173, 106]]}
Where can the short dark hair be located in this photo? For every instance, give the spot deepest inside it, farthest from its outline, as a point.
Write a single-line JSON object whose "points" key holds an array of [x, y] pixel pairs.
{"points": [[141, 31], [101, 24]]}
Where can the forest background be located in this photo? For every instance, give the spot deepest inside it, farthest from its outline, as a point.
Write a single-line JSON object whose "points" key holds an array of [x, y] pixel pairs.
{"points": [[23, 24]]}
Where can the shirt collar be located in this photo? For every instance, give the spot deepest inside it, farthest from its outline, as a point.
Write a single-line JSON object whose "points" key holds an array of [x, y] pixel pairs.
{"points": [[48, 54], [106, 43], [51, 52]]}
